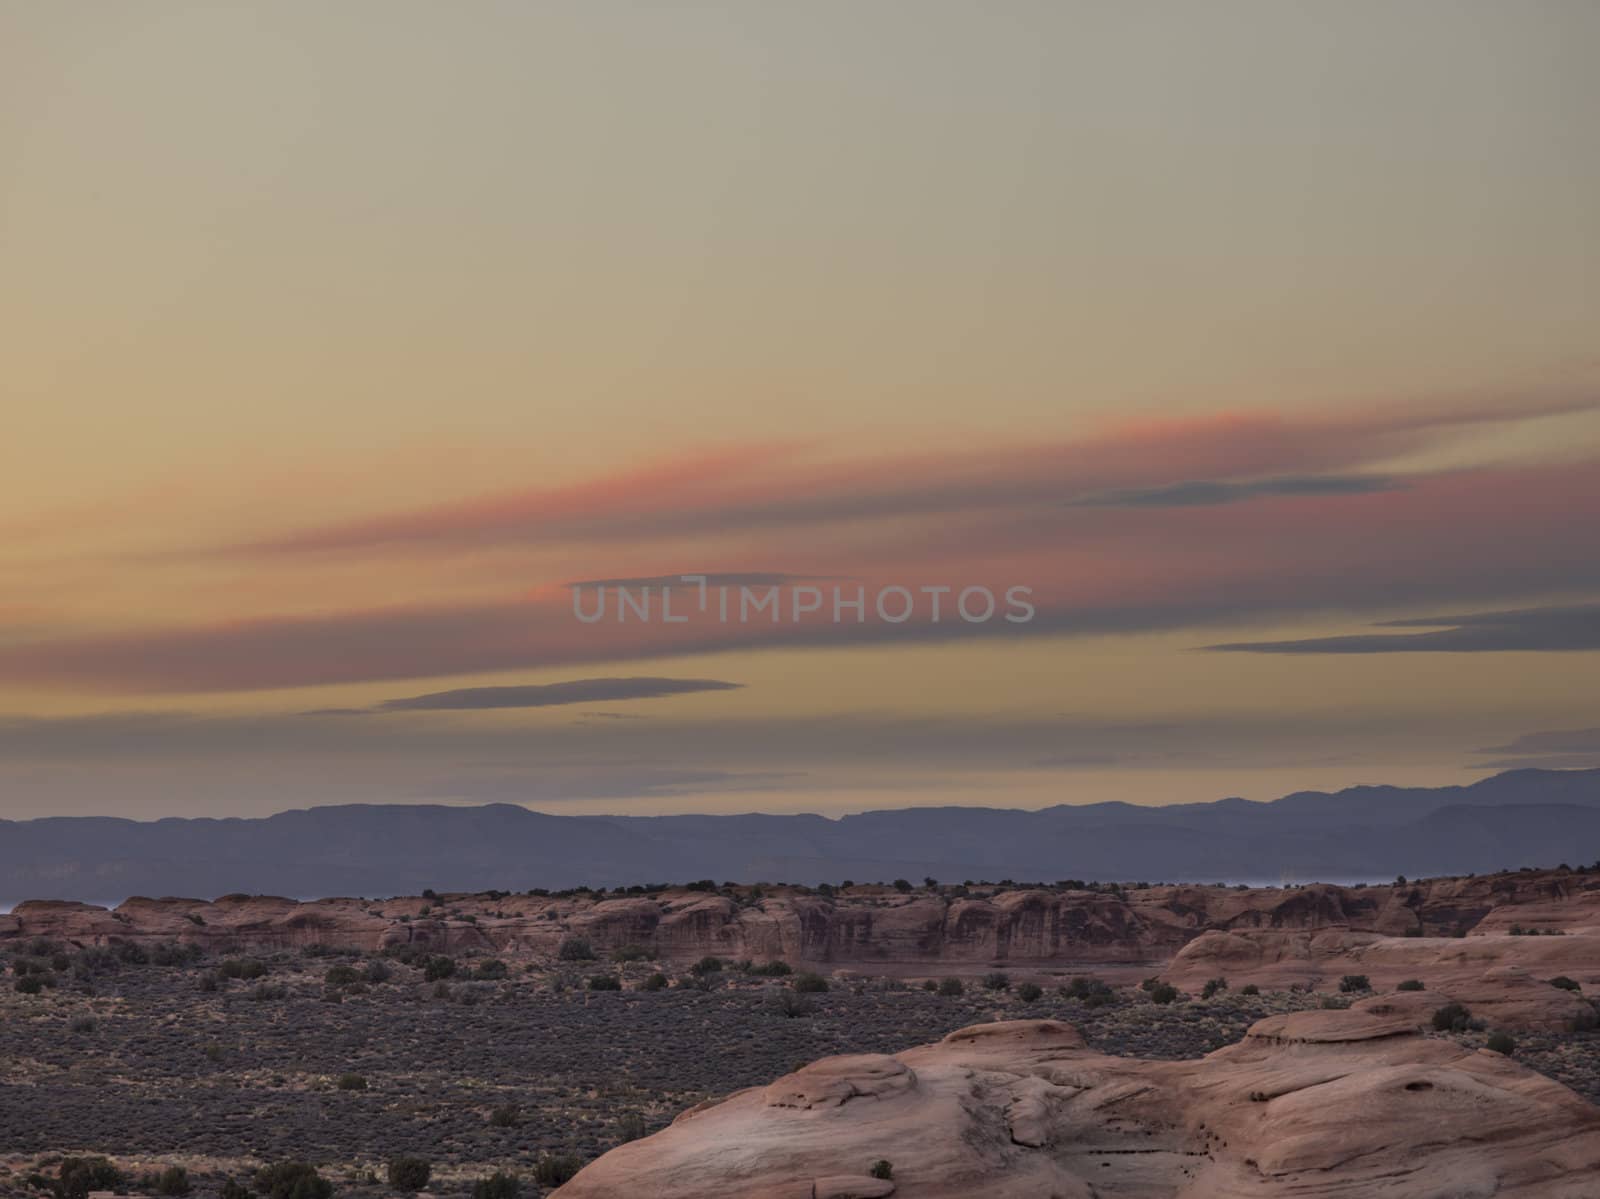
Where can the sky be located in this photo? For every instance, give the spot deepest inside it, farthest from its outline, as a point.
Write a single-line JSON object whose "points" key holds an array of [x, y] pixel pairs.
{"points": [[341, 345]]}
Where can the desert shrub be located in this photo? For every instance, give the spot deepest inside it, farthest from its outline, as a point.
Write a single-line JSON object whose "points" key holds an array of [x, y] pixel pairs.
{"points": [[1351, 983], [1249, 989], [630, 1127], [242, 968], [902, 885], [408, 1173], [438, 967], [1212, 986], [492, 969], [810, 984], [1028, 992], [377, 971], [208, 983], [604, 982], [656, 982], [1163, 993], [29, 984], [630, 953], [352, 1082], [706, 965], [553, 1169], [266, 992], [575, 949], [498, 1185], [292, 1180], [1149, 984], [881, 1169], [1501, 1042], [171, 953], [951, 987], [1332, 1003], [341, 976], [997, 981], [232, 1189], [1452, 1017], [930, 985], [507, 1115], [1412, 984], [77, 1176], [1566, 984], [788, 1004], [174, 1180], [772, 970], [129, 953], [81, 1025]]}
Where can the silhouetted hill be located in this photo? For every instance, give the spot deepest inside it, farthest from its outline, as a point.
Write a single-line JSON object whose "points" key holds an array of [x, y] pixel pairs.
{"points": [[1520, 818]]}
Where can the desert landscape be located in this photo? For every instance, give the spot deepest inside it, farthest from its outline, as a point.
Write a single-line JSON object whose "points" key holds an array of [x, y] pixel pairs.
{"points": [[740, 1040]]}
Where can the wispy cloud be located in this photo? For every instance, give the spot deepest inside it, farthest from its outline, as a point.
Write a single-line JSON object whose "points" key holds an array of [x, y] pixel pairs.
{"points": [[1199, 492], [546, 695], [1576, 627]]}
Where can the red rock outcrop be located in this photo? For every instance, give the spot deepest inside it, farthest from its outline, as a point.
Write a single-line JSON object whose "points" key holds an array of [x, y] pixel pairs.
{"points": [[1315, 1105], [1274, 935]]}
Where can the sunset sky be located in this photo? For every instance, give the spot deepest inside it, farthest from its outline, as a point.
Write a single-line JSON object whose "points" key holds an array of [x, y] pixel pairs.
{"points": [[1258, 339]]}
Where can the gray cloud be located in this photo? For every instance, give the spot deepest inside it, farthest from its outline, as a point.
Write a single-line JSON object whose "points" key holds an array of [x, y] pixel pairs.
{"points": [[1206, 492], [547, 695], [752, 578], [1554, 749], [1575, 627]]}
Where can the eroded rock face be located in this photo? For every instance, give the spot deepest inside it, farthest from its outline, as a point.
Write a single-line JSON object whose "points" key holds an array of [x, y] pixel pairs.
{"points": [[1315, 1105], [1269, 935]]}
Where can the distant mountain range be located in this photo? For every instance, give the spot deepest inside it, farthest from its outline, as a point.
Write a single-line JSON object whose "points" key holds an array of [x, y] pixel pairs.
{"points": [[1520, 818]]}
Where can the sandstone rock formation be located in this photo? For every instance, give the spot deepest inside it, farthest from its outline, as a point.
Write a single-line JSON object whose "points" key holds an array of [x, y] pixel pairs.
{"points": [[1315, 1105], [1453, 931]]}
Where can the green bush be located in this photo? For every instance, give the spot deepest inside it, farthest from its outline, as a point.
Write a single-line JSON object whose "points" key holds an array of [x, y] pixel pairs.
{"points": [[1212, 987], [630, 1127], [553, 1169], [341, 976], [1412, 984], [77, 1176], [174, 1180], [507, 1115], [438, 968], [235, 1190], [1351, 983], [1028, 992], [630, 953], [997, 981], [810, 984], [491, 970], [242, 968], [377, 971], [1566, 984], [707, 965], [29, 984], [951, 987], [772, 970], [498, 1185], [1163, 993], [1501, 1042], [1249, 989], [352, 1082], [292, 1180], [656, 982], [1452, 1017], [409, 1173], [605, 982], [575, 949], [881, 1169], [789, 1004]]}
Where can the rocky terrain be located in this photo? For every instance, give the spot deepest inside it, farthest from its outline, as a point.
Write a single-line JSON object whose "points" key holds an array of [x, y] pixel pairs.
{"points": [[1318, 1105], [1491, 941], [530, 1033]]}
